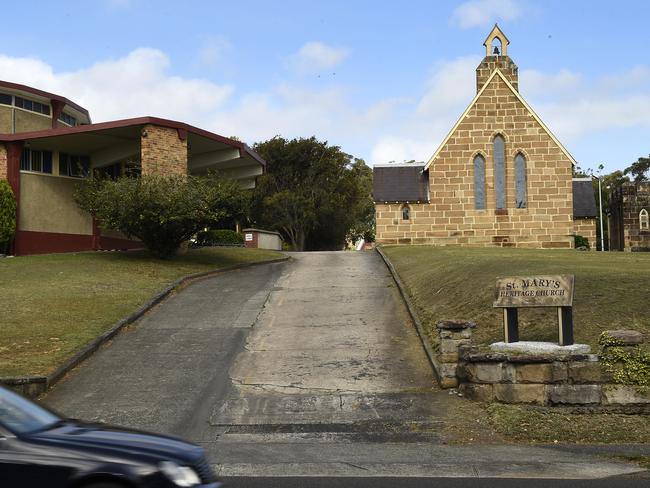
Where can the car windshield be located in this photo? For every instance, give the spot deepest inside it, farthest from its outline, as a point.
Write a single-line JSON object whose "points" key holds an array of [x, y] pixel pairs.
{"points": [[22, 416]]}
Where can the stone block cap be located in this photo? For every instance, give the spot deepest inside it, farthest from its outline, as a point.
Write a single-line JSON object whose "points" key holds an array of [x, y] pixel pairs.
{"points": [[455, 324], [626, 337]]}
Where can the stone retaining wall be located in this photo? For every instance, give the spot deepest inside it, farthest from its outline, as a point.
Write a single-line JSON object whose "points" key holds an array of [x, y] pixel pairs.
{"points": [[554, 380]]}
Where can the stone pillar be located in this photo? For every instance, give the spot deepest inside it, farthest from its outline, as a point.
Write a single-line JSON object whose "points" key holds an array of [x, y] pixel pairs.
{"points": [[163, 150], [453, 334]]}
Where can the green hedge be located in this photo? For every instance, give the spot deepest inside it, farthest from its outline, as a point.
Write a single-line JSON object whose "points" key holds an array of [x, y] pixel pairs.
{"points": [[7, 215], [219, 237], [581, 241]]}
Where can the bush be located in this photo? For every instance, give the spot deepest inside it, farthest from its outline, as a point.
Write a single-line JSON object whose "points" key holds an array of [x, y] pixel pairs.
{"points": [[219, 237], [161, 211], [581, 241], [7, 215]]}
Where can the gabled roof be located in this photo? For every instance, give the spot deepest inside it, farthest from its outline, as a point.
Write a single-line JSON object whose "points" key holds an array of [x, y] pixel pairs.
{"points": [[497, 72], [584, 200], [400, 183]]}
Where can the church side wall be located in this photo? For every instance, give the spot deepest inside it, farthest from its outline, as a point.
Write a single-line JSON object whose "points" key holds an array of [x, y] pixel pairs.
{"points": [[587, 228], [451, 219], [634, 199]]}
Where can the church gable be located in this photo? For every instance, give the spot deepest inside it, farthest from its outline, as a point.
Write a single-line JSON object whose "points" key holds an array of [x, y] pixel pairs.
{"points": [[500, 105]]}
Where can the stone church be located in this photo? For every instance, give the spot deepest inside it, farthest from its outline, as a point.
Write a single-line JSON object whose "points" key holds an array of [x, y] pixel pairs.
{"points": [[629, 217], [499, 178]]}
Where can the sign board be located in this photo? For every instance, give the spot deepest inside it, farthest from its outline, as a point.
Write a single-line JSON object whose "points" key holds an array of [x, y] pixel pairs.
{"points": [[248, 236], [534, 291]]}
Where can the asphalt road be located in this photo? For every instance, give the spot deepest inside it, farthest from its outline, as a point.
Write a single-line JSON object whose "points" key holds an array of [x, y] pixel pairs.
{"points": [[389, 482]]}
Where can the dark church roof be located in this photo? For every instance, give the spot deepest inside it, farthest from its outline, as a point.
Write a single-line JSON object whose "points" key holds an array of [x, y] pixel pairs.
{"points": [[400, 183], [584, 201]]}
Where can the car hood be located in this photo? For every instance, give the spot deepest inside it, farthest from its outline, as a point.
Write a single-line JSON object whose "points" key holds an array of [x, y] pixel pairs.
{"points": [[99, 439]]}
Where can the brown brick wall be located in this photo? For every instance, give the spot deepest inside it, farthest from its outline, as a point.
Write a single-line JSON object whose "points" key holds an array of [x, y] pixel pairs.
{"points": [[3, 161], [586, 228], [451, 219], [163, 152]]}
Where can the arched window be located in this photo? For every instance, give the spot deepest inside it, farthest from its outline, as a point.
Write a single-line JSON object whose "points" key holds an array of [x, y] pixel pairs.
{"points": [[643, 220], [406, 212], [500, 171], [479, 182], [520, 180]]}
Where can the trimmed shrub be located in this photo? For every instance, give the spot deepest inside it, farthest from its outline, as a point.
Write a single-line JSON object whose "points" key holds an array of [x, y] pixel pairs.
{"points": [[161, 211], [581, 241], [7, 215], [219, 237]]}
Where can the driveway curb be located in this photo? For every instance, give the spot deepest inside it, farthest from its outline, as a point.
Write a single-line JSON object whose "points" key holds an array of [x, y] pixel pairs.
{"points": [[33, 386], [412, 313]]}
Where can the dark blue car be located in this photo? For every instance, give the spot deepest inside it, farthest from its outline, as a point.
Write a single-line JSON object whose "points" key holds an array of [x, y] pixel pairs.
{"points": [[38, 448]]}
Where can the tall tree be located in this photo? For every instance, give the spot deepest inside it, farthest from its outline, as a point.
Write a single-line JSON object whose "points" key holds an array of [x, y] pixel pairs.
{"points": [[311, 192], [639, 170]]}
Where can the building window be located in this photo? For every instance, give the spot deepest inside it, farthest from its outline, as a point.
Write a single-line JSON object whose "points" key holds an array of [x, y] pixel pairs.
{"points": [[67, 119], [643, 220], [500, 171], [520, 180], [479, 182], [6, 99], [39, 161], [32, 106], [71, 165], [406, 212]]}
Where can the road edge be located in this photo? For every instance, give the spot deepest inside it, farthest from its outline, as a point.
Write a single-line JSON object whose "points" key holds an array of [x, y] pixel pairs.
{"points": [[435, 365]]}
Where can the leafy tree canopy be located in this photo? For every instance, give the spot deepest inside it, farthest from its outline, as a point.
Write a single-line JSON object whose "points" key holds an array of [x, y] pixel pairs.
{"points": [[7, 215], [313, 193], [162, 211], [639, 170]]}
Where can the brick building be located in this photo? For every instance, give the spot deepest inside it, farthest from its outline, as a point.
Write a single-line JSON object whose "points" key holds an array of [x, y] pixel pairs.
{"points": [[47, 143], [500, 177], [629, 226]]}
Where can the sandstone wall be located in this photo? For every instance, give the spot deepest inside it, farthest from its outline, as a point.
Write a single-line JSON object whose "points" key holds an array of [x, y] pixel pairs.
{"points": [[163, 152], [450, 217]]}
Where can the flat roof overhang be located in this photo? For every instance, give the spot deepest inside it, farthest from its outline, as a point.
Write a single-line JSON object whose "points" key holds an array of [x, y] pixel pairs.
{"points": [[109, 142]]}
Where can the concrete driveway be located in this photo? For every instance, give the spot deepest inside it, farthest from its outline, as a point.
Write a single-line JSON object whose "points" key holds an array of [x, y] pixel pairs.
{"points": [[305, 368]]}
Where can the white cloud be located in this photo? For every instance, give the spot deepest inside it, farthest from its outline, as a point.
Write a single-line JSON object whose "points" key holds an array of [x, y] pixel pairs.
{"points": [[573, 107], [395, 127], [314, 57], [213, 51], [135, 85], [481, 13], [451, 83]]}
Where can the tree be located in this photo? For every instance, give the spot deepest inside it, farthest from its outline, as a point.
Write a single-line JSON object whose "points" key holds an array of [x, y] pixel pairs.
{"points": [[364, 224], [312, 193], [7, 215], [161, 211], [639, 170]]}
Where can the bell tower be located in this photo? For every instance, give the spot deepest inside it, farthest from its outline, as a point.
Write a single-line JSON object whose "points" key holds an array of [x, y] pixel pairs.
{"points": [[496, 56]]}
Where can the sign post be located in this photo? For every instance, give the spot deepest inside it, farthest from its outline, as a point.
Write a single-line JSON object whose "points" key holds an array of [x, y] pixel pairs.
{"points": [[516, 292]]}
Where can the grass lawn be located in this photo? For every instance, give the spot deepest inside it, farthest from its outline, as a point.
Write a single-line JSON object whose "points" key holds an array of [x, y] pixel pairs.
{"points": [[481, 423], [54, 304], [611, 289]]}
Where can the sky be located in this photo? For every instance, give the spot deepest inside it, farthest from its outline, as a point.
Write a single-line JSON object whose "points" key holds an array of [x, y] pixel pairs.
{"points": [[384, 80]]}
